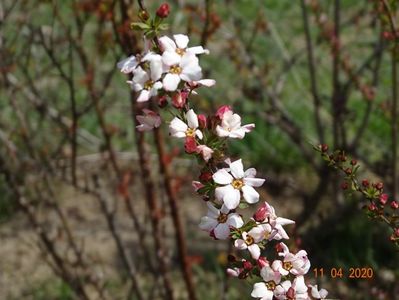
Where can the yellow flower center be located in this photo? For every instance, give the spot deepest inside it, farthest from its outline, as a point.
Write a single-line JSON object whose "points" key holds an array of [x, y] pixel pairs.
{"points": [[148, 85], [190, 132], [249, 240], [180, 51], [266, 235], [175, 70], [287, 265], [237, 184], [222, 218], [271, 285]]}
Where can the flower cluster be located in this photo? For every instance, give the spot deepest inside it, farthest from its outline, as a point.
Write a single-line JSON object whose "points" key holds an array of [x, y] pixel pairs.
{"points": [[169, 74]]}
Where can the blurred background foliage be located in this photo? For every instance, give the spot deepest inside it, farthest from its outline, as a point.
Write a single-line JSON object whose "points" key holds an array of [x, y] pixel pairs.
{"points": [[53, 51]]}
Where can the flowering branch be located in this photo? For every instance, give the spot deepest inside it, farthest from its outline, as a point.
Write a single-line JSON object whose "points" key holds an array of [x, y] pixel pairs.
{"points": [[170, 73]]}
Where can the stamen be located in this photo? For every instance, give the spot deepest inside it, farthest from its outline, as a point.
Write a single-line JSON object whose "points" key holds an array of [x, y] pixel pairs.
{"points": [[175, 70], [237, 184]]}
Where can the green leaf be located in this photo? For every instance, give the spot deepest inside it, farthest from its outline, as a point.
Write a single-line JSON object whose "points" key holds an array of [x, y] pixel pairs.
{"points": [[243, 205], [139, 26]]}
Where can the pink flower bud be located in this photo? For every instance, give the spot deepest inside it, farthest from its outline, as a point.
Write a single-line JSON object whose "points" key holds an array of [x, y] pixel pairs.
{"points": [[365, 183], [162, 101], [197, 185], [190, 145], [205, 176], [222, 110], [262, 262], [233, 272], [205, 151], [163, 10], [344, 185], [379, 186], [179, 99], [394, 205], [202, 121], [247, 265], [383, 198], [262, 213], [372, 207]]}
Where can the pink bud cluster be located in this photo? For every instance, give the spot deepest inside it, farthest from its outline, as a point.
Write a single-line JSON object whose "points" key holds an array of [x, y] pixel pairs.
{"points": [[170, 75]]}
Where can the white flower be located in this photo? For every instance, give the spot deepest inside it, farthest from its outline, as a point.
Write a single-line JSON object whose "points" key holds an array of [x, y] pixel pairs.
{"points": [[220, 221], [296, 264], [205, 151], [234, 182], [249, 240], [127, 65], [147, 81], [173, 51], [179, 129], [318, 294], [187, 69], [265, 290], [231, 126], [148, 121]]}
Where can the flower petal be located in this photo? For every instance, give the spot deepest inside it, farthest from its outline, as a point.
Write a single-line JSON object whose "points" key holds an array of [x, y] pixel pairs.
{"points": [[237, 169], [181, 40], [232, 198], [207, 223], [144, 96], [171, 81], [235, 220], [254, 250], [192, 119], [222, 231], [222, 177], [254, 181], [250, 195], [167, 44], [198, 50], [240, 244], [171, 58], [140, 76]]}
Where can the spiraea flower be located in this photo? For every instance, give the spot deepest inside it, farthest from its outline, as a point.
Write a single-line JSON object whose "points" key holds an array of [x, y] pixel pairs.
{"points": [[180, 129], [219, 221], [231, 126], [235, 182], [147, 81], [249, 241], [296, 264], [205, 152], [174, 50], [148, 121], [292, 290], [186, 69], [265, 290]]}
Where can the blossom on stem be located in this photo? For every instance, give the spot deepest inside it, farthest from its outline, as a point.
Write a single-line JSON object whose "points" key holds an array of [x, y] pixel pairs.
{"points": [[148, 121], [220, 221], [265, 290], [205, 151], [231, 126], [179, 129], [186, 69], [249, 241], [295, 290], [236, 181], [174, 50], [146, 82], [296, 264]]}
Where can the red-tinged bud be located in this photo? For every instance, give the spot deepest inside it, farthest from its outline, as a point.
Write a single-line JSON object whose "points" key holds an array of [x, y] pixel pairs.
{"points": [[396, 232], [344, 185], [190, 145], [247, 265], [348, 171], [143, 15], [342, 158], [222, 110], [379, 186], [205, 176], [372, 207], [365, 183], [353, 162], [291, 293], [262, 262], [202, 121], [179, 99], [383, 199], [279, 248], [163, 11], [324, 147], [262, 213], [212, 234], [394, 204], [162, 101]]}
